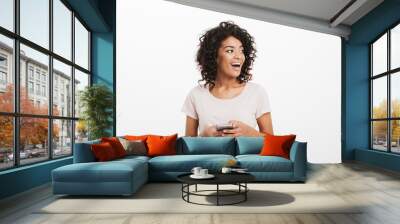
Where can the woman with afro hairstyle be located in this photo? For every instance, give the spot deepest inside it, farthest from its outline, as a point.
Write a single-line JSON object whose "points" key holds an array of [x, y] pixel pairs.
{"points": [[226, 98]]}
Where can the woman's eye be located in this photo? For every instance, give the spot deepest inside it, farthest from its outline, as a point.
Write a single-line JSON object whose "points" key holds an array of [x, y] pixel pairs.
{"points": [[230, 51]]}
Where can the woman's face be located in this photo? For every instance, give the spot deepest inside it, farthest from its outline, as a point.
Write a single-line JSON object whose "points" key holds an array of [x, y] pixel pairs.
{"points": [[230, 57]]}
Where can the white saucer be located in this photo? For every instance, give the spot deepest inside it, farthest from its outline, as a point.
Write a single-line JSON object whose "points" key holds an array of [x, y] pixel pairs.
{"points": [[208, 176]]}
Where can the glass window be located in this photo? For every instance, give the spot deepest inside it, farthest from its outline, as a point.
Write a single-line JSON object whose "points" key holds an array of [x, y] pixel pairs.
{"points": [[81, 81], [81, 131], [44, 91], [3, 78], [30, 72], [81, 45], [395, 95], [39, 61], [3, 60], [379, 135], [33, 140], [383, 137], [37, 75], [34, 21], [395, 136], [395, 47], [6, 142], [62, 29], [38, 89], [62, 137], [62, 75], [7, 14], [34, 80], [379, 100], [379, 55], [6, 73], [30, 87]]}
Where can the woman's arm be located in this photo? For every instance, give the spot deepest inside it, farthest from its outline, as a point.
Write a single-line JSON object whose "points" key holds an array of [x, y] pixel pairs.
{"points": [[191, 126], [241, 129], [265, 124]]}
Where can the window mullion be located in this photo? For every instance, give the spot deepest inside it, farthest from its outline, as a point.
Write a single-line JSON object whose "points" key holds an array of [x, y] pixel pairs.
{"points": [[389, 105], [73, 82], [50, 77], [16, 84]]}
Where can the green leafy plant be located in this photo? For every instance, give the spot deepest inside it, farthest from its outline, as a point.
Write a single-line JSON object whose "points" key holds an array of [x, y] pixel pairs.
{"points": [[96, 102]]}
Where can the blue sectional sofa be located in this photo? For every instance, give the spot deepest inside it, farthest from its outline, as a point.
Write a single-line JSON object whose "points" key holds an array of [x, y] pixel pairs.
{"points": [[125, 176]]}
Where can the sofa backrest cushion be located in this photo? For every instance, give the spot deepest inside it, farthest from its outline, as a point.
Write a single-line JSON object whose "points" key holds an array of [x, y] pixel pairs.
{"points": [[249, 145], [83, 152], [206, 145]]}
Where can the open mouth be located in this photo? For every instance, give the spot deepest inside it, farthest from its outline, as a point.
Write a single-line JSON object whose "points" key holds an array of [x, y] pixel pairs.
{"points": [[236, 65]]}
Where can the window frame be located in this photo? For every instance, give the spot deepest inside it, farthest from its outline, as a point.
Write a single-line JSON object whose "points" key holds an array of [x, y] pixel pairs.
{"points": [[388, 74], [15, 72]]}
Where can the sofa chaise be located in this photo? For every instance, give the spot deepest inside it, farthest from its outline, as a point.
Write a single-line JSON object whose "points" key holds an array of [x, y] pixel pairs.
{"points": [[126, 175]]}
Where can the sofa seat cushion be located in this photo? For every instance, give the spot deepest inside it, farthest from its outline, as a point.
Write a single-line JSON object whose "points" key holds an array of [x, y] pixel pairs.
{"points": [[111, 171], [133, 158], [185, 163], [257, 163]]}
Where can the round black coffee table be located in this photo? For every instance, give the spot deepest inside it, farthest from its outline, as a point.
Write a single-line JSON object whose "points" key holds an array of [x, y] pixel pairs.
{"points": [[238, 179]]}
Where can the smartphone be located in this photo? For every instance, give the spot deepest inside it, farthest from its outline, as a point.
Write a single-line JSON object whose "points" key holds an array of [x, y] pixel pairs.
{"points": [[221, 127]]}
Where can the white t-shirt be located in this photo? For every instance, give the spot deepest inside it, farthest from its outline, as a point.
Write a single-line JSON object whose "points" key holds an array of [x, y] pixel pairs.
{"points": [[249, 105]]}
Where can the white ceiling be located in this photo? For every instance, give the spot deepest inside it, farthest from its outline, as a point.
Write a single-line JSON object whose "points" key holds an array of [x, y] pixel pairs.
{"points": [[315, 15]]}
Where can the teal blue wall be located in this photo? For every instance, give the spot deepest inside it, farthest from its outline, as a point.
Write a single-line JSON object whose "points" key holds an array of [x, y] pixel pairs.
{"points": [[103, 52], [99, 15], [103, 62], [355, 55], [24, 178]]}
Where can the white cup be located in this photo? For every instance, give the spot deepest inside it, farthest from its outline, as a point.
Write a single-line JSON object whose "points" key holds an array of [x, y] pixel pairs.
{"points": [[226, 170], [196, 170], [203, 172]]}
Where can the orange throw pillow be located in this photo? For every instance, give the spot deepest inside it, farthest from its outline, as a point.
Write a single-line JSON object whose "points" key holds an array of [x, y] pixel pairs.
{"points": [[277, 145], [116, 145], [103, 152], [135, 138], [161, 145]]}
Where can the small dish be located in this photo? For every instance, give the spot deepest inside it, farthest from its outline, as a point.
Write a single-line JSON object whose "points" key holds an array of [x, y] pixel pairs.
{"points": [[208, 176]]}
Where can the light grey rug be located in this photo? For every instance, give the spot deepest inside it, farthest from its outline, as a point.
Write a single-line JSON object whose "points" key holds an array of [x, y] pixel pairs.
{"points": [[166, 198]]}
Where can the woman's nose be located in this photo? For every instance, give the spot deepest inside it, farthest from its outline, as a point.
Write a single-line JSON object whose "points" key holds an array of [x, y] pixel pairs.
{"points": [[238, 55]]}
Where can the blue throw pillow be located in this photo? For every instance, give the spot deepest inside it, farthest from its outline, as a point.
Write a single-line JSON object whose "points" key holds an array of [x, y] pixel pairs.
{"points": [[249, 145], [206, 145]]}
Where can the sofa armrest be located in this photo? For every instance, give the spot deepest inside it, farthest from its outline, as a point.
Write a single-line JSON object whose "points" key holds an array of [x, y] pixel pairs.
{"points": [[298, 155], [83, 152]]}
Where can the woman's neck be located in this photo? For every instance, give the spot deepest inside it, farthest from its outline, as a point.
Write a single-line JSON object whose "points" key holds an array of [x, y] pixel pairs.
{"points": [[226, 83]]}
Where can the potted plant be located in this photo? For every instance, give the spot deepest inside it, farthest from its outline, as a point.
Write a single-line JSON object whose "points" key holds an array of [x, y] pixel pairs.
{"points": [[96, 102]]}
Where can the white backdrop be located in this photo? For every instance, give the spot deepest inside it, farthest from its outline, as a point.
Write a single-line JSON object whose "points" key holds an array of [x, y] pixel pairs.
{"points": [[156, 47]]}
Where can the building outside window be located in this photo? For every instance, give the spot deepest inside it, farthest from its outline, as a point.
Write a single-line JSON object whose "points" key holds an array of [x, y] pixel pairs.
{"points": [[3, 61], [43, 78], [37, 75], [3, 72], [43, 90], [30, 72], [38, 89], [30, 87], [3, 78]]}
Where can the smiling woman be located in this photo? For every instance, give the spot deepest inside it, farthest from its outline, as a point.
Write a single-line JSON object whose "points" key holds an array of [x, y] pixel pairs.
{"points": [[227, 104]]}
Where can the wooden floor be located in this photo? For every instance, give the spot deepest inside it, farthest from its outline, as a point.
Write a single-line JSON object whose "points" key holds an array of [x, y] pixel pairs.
{"points": [[377, 188]]}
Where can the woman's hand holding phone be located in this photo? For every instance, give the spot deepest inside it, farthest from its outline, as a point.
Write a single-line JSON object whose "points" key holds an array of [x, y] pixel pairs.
{"points": [[239, 129], [211, 131]]}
